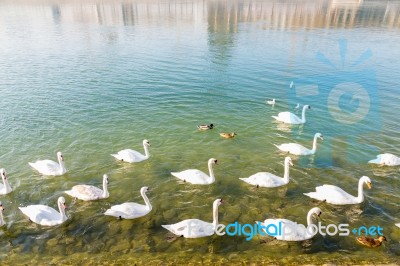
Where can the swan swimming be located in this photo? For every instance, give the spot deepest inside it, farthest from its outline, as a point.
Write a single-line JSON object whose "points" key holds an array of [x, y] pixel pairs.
{"points": [[87, 192], [297, 232], [5, 188], [132, 156], [49, 167], [386, 159], [271, 102], [2, 222], [197, 177], [290, 118], [45, 215], [336, 195], [298, 149], [131, 210], [264, 179], [195, 228]]}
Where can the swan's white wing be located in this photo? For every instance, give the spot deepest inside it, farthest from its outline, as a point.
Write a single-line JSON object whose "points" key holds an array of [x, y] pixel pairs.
{"points": [[286, 230], [288, 117], [193, 176], [42, 214], [294, 148], [386, 159], [130, 156], [398, 225], [46, 167], [191, 228], [128, 210], [332, 194], [85, 192], [264, 179]]}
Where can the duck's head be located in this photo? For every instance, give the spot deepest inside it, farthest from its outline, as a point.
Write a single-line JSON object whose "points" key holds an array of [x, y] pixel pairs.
{"points": [[367, 181], [211, 126], [382, 238], [146, 142]]}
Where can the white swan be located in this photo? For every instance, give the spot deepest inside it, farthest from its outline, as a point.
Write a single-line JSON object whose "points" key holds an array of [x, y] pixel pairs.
{"points": [[197, 177], [291, 84], [271, 102], [2, 222], [132, 156], [49, 167], [87, 192], [290, 118], [5, 188], [264, 179], [195, 228], [336, 195], [386, 159], [297, 106], [298, 149], [131, 210], [45, 215], [398, 225], [292, 231]]}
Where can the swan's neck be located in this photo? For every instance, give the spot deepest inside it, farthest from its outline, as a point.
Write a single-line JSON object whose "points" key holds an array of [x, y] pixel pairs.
{"points": [[210, 169], [105, 189], [303, 115], [62, 211], [7, 187], [62, 166], [360, 197], [309, 218], [314, 146], [215, 216], [147, 201], [146, 151], [286, 173], [1, 219]]}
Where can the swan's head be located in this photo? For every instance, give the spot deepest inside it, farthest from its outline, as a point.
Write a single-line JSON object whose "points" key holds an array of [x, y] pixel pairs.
{"points": [[218, 202], [146, 142], [60, 156], [144, 190], [3, 174], [105, 179], [61, 201], [319, 135], [288, 160], [317, 211], [306, 106], [367, 181], [212, 161], [2, 207]]}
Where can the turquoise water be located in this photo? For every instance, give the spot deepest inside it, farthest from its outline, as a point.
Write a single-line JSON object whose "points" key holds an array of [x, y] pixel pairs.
{"points": [[92, 78]]}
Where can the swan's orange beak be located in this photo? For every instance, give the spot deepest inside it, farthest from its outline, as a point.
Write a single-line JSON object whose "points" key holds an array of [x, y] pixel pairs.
{"points": [[369, 185]]}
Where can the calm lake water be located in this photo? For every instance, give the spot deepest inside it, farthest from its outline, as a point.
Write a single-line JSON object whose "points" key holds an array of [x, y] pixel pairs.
{"points": [[90, 78]]}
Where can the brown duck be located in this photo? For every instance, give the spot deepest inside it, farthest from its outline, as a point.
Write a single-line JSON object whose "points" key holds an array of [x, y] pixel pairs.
{"points": [[370, 242]]}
